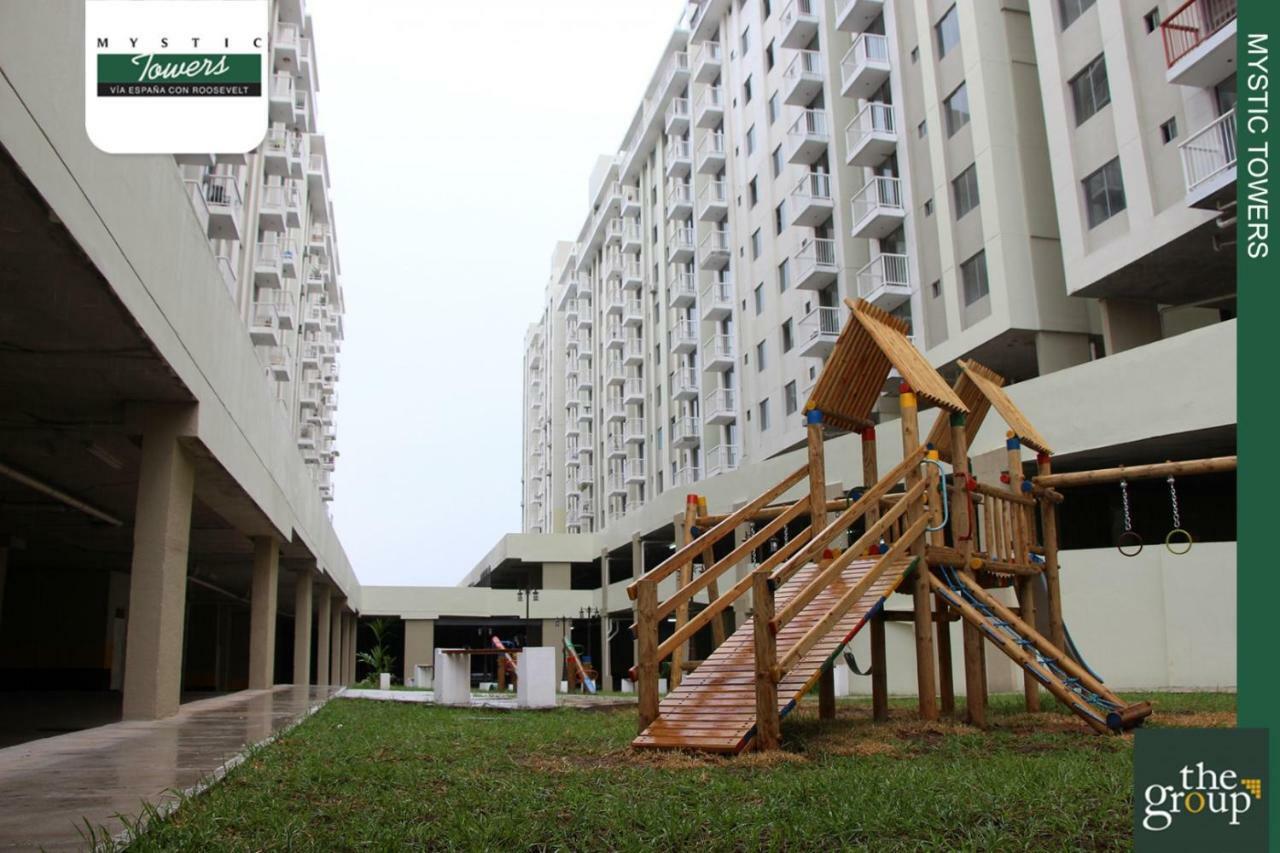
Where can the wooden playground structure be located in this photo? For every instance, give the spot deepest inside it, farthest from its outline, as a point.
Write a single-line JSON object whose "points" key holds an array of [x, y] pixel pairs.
{"points": [[940, 536]]}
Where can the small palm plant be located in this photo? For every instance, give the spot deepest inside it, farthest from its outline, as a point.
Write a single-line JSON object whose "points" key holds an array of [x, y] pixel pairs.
{"points": [[379, 658]]}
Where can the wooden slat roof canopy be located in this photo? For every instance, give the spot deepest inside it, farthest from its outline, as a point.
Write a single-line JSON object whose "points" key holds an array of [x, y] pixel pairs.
{"points": [[890, 335], [980, 389]]}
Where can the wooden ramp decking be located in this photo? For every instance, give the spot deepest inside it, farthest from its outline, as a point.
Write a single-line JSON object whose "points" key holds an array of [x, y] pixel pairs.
{"points": [[714, 708]]}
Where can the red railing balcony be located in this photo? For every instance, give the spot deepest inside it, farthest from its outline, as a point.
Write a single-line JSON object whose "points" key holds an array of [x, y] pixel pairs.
{"points": [[1191, 24]]}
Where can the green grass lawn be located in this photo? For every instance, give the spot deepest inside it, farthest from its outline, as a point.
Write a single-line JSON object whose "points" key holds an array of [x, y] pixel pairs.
{"points": [[384, 775]]}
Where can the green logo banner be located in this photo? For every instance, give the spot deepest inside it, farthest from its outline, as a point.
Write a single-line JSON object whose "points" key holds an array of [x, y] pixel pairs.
{"points": [[179, 74]]}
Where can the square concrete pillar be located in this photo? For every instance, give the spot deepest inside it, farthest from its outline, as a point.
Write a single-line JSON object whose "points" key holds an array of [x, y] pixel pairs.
{"points": [[453, 679], [335, 639], [352, 629], [262, 612], [419, 649], [344, 673], [324, 623], [302, 627], [557, 576], [536, 677], [158, 582]]}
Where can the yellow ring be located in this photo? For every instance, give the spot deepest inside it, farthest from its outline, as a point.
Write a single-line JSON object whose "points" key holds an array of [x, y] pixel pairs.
{"points": [[1168, 541]]}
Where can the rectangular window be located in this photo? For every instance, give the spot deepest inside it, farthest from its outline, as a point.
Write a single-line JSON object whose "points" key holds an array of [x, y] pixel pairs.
{"points": [[777, 161], [973, 278], [1104, 193], [928, 207], [788, 339], [773, 108], [1169, 131], [760, 356], [915, 55], [1152, 20], [1089, 90], [755, 244], [780, 217], [948, 31], [935, 289], [745, 42], [784, 275], [965, 190], [751, 140], [922, 129], [746, 91], [759, 296], [789, 397], [764, 414], [956, 109], [768, 57], [1072, 9], [753, 194]]}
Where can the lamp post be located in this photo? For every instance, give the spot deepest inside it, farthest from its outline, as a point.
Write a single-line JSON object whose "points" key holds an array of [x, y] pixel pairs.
{"points": [[526, 594]]}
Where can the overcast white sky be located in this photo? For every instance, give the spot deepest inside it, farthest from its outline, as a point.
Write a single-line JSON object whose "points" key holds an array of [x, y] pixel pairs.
{"points": [[461, 137]]}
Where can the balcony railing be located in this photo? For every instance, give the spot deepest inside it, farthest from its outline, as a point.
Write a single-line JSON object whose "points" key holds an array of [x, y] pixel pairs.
{"points": [[717, 348], [684, 382], [686, 430], [881, 191], [815, 186], [683, 287], [810, 123], [714, 194], [717, 295], [721, 405], [687, 476], [1209, 151], [722, 458], [885, 270], [222, 192], [823, 321], [865, 62], [805, 63], [678, 113], [1191, 24], [874, 119]]}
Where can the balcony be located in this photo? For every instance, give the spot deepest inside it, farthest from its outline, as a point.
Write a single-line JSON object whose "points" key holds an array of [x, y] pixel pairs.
{"points": [[707, 61], [808, 137], [614, 372], [802, 81], [865, 66], [710, 109], [318, 240], [316, 276], [679, 158], [677, 118], [819, 330], [635, 470], [684, 336], [585, 475], [633, 431], [717, 353], [290, 258], [799, 23], [713, 202], [632, 274], [614, 336], [268, 266], [686, 431], [684, 384], [318, 178], [281, 101], [815, 264], [275, 153], [683, 289], [613, 301], [584, 317], [271, 209], [811, 202], [872, 136], [675, 76], [630, 200], [877, 208], [280, 363], [586, 412], [686, 476], [1209, 162], [632, 236], [854, 16], [222, 199], [633, 312], [633, 352], [285, 43], [615, 409], [273, 313], [722, 459], [721, 406], [615, 446], [1200, 42], [885, 282], [292, 205], [633, 391], [711, 154], [613, 232], [611, 266], [713, 253], [679, 200], [680, 248], [717, 300]]}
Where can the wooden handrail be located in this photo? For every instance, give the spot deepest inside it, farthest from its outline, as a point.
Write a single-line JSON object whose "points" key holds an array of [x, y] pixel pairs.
{"points": [[686, 593], [820, 581], [685, 555], [1214, 465], [870, 497], [824, 625], [1002, 493]]}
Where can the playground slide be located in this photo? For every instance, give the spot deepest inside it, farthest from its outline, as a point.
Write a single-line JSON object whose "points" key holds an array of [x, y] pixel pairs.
{"points": [[572, 654], [507, 660], [1069, 682]]}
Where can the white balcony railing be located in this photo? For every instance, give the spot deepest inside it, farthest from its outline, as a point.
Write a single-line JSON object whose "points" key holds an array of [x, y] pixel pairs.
{"points": [[1209, 151], [821, 322], [882, 191], [807, 63], [887, 270], [722, 458], [869, 50], [815, 186], [721, 404], [875, 118]]}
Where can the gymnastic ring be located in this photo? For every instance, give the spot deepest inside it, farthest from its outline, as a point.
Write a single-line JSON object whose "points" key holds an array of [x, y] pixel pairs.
{"points": [[1128, 539], [1182, 536]]}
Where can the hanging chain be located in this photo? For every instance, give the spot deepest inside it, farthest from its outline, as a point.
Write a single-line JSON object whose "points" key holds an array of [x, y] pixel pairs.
{"points": [[1173, 498], [1124, 498]]}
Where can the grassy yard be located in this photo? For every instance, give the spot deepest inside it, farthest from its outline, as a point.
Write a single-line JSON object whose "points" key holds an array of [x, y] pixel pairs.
{"points": [[384, 775]]}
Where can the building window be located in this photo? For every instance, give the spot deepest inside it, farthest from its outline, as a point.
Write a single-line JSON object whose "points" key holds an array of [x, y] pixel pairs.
{"points": [[956, 109], [1072, 9], [657, 438], [746, 91], [777, 161], [973, 278], [935, 289], [784, 275], [759, 297], [928, 207], [744, 43], [768, 57], [1151, 20], [780, 217], [763, 419], [915, 55], [788, 339], [753, 194], [1104, 193], [1169, 131], [767, 10], [1089, 90], [773, 108], [948, 30], [789, 397], [751, 140], [755, 244], [922, 129], [965, 190], [760, 354]]}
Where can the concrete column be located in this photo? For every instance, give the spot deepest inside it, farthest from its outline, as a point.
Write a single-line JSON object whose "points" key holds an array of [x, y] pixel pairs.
{"points": [[557, 576], [353, 627], [637, 569], [262, 612], [1128, 323], [158, 583], [420, 648], [606, 664], [335, 640], [302, 628], [1060, 350], [324, 609]]}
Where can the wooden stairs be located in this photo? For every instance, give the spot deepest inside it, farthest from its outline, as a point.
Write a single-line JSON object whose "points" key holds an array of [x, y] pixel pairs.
{"points": [[714, 708]]}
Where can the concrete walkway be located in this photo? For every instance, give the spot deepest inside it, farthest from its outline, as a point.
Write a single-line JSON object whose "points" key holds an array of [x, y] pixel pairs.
{"points": [[488, 700], [50, 787]]}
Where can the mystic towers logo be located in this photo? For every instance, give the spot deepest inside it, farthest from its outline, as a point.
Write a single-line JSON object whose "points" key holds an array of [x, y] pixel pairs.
{"points": [[176, 76]]}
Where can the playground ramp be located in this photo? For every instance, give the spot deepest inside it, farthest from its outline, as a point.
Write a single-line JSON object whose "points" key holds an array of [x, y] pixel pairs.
{"points": [[714, 708]]}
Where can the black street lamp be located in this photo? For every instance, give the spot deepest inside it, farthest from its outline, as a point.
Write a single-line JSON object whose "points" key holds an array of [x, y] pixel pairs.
{"points": [[526, 594]]}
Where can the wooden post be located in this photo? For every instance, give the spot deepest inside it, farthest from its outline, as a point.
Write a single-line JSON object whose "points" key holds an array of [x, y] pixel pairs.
{"points": [[946, 688], [962, 534], [1024, 586], [647, 662], [684, 535], [768, 723], [1049, 520], [827, 692], [921, 593], [713, 588], [817, 471], [879, 675]]}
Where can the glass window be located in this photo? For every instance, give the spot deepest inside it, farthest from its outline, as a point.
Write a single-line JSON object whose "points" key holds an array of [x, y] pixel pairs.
{"points": [[784, 275], [973, 278], [760, 354], [1072, 9], [948, 30], [1104, 193], [753, 194], [755, 244], [746, 90], [789, 397], [922, 129], [1169, 130], [751, 140], [1090, 91], [768, 57], [759, 297], [777, 161], [788, 339], [956, 109], [1151, 20], [780, 217], [745, 41], [773, 108], [965, 189], [764, 414], [928, 207]]}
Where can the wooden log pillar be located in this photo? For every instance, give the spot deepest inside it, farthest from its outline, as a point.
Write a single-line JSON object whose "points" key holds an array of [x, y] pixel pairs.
{"points": [[818, 521], [946, 686], [1024, 586], [1049, 520], [768, 723], [713, 588], [962, 534], [921, 593], [879, 673], [647, 651], [684, 535]]}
